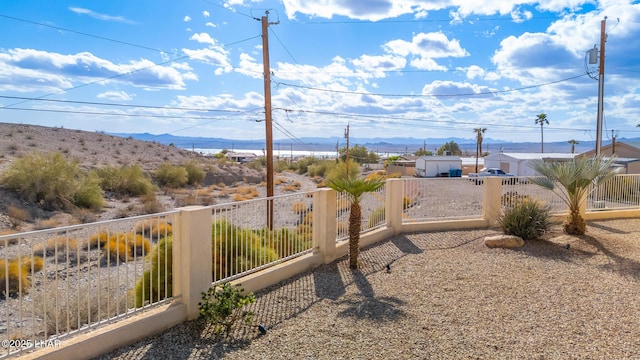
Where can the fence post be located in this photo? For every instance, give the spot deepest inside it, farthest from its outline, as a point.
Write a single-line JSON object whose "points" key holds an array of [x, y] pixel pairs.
{"points": [[325, 223], [192, 257], [394, 204], [492, 192]]}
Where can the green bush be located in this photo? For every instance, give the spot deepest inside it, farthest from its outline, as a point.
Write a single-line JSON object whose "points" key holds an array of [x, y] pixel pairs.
{"points": [[126, 180], [53, 181], [89, 193], [340, 170], [376, 216], [236, 250], [284, 241], [171, 175], [156, 283], [222, 305], [195, 173], [527, 219]]}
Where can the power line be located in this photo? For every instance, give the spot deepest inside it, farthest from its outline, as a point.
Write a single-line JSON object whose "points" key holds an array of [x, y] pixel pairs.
{"points": [[113, 114], [430, 95], [383, 22], [116, 104]]}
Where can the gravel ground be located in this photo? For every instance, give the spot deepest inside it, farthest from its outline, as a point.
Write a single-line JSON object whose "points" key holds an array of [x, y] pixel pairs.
{"points": [[447, 296]]}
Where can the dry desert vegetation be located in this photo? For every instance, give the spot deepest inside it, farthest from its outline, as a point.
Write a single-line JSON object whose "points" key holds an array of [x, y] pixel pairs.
{"points": [[221, 181]]}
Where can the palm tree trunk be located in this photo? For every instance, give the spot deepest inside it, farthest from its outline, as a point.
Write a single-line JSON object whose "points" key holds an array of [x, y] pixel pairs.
{"points": [[354, 234], [541, 139]]}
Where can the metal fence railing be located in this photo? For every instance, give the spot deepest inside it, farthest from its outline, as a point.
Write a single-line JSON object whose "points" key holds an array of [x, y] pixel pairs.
{"points": [[373, 212], [250, 235], [440, 199], [66, 280], [520, 188], [620, 192]]}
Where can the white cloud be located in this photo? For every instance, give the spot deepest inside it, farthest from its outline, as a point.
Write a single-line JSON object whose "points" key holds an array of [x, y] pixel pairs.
{"points": [[427, 45], [379, 64], [46, 67], [215, 56], [95, 15], [205, 14], [473, 71], [203, 38], [210, 24], [187, 18], [115, 96], [427, 64]]}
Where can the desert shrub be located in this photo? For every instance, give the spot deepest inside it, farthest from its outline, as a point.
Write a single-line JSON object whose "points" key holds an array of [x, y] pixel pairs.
{"points": [[195, 174], [98, 240], [49, 179], [171, 175], [17, 273], [340, 170], [16, 215], [376, 216], [56, 246], [407, 202], [299, 207], [91, 302], [156, 282], [151, 204], [285, 242], [303, 164], [89, 193], [528, 219], [280, 166], [124, 246], [279, 181], [126, 180], [236, 250], [257, 164], [222, 305], [154, 229]]}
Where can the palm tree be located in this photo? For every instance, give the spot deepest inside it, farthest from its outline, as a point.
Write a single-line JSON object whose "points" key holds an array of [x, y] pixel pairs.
{"points": [[542, 119], [573, 145], [574, 178], [479, 132], [356, 188]]}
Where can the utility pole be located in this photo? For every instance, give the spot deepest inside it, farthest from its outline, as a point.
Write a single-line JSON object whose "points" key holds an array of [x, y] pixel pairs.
{"points": [[603, 40], [346, 135], [267, 113], [613, 143]]}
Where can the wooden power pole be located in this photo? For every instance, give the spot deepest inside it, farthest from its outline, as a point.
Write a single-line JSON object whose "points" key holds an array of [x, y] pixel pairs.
{"points": [[267, 114], [346, 135], [603, 40]]}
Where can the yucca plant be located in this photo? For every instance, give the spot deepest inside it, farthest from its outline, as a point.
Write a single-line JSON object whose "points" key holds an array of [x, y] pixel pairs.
{"points": [[572, 181]]}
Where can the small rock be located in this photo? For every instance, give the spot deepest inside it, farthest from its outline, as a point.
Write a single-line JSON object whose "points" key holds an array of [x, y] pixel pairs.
{"points": [[504, 241]]}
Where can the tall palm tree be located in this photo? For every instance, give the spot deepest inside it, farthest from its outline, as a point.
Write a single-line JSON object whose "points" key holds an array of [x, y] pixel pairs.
{"points": [[356, 188], [542, 119], [479, 132], [573, 145], [574, 178]]}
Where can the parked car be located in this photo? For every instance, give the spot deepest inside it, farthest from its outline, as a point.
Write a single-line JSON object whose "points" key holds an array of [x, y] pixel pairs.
{"points": [[478, 177]]}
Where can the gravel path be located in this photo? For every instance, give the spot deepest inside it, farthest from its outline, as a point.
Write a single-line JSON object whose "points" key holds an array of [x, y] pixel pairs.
{"points": [[447, 297]]}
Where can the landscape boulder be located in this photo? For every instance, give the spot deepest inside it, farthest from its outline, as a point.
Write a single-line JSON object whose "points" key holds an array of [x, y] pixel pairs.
{"points": [[504, 241]]}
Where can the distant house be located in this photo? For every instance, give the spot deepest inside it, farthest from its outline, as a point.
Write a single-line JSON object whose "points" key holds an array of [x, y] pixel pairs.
{"points": [[240, 157], [627, 155], [469, 164], [518, 163]]}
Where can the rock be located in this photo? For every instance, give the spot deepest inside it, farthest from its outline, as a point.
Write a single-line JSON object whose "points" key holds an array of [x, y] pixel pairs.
{"points": [[504, 241]]}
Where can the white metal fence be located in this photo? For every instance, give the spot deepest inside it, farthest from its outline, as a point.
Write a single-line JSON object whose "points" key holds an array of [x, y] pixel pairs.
{"points": [[520, 188], [373, 212], [60, 281], [621, 192], [440, 199], [251, 235]]}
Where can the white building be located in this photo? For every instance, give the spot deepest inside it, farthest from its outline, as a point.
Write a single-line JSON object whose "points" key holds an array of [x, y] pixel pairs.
{"points": [[518, 163]]}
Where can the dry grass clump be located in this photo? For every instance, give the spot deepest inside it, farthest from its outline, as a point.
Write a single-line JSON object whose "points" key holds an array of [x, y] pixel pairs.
{"points": [[154, 228], [245, 193], [124, 246], [11, 241], [299, 207], [42, 224], [56, 246], [86, 304], [16, 215], [17, 272]]}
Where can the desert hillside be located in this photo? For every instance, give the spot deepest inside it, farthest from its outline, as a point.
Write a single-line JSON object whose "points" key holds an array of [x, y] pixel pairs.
{"points": [[93, 150]]}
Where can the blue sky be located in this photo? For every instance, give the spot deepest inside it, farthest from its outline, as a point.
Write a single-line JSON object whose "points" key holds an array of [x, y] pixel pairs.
{"points": [[388, 68]]}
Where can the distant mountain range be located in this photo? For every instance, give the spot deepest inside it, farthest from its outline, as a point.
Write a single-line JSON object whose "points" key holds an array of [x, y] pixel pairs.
{"points": [[381, 145]]}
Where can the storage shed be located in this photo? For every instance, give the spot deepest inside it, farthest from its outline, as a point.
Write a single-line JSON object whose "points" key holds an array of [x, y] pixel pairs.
{"points": [[438, 166], [518, 163]]}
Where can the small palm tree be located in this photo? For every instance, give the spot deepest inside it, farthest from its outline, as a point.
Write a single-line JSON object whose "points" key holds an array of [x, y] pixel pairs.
{"points": [[356, 188], [574, 178], [542, 119], [479, 132], [573, 145]]}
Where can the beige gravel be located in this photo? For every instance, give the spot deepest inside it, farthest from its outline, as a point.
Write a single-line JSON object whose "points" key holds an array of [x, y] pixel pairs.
{"points": [[447, 297]]}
